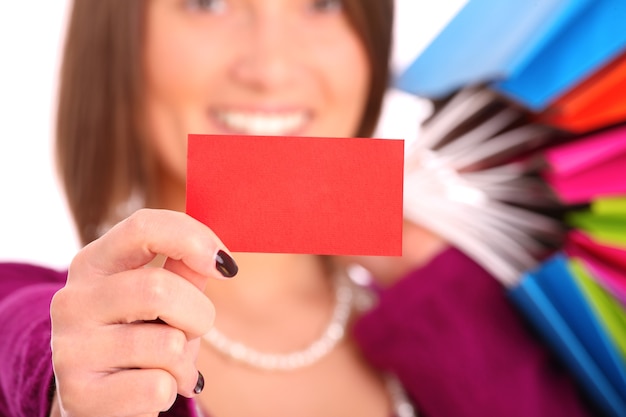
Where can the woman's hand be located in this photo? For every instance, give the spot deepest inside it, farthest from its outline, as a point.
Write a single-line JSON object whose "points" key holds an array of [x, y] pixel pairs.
{"points": [[125, 337], [419, 246]]}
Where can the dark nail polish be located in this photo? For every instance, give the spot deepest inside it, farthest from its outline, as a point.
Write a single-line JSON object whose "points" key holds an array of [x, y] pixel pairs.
{"points": [[225, 264], [200, 384]]}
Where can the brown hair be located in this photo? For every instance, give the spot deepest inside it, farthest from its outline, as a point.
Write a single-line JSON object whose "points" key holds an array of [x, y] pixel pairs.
{"points": [[98, 142]]}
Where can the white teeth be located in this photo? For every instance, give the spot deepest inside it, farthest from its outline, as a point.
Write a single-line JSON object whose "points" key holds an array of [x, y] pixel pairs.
{"points": [[263, 123]]}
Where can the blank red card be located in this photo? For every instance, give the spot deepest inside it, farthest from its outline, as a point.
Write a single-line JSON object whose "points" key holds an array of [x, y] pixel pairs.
{"points": [[334, 196]]}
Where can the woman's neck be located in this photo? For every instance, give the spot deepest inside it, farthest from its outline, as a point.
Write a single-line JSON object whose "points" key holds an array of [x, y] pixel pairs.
{"points": [[267, 278], [276, 303]]}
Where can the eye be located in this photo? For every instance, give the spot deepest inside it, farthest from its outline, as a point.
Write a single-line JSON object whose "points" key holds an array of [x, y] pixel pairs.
{"points": [[211, 6], [327, 6]]}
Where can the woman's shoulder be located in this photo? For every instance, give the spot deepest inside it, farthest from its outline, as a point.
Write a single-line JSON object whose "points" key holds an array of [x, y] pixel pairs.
{"points": [[20, 269], [446, 273], [15, 275]]}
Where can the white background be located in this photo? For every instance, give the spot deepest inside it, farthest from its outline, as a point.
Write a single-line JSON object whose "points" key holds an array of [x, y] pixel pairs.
{"points": [[34, 223]]}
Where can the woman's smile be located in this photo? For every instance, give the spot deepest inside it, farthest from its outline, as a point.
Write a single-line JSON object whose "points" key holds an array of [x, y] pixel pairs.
{"points": [[261, 121]]}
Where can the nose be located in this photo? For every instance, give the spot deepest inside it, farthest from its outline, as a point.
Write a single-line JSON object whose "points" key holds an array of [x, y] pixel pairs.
{"points": [[268, 59]]}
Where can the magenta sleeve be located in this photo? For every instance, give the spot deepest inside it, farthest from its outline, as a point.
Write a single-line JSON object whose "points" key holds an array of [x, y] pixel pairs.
{"points": [[25, 358], [460, 348]]}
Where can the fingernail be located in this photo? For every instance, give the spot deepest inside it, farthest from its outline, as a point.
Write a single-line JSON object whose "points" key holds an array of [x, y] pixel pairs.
{"points": [[200, 384], [225, 264]]}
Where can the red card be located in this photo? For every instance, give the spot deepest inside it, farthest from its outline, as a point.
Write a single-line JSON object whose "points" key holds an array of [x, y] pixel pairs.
{"points": [[335, 196]]}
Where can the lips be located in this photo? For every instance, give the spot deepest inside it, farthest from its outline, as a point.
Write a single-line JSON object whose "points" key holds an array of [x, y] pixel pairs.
{"points": [[263, 123]]}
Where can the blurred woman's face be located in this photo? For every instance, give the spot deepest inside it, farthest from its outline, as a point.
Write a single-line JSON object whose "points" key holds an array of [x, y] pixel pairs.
{"points": [[250, 67]]}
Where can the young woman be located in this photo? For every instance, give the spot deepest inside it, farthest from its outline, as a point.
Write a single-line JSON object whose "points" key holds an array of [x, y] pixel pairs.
{"points": [[134, 329]]}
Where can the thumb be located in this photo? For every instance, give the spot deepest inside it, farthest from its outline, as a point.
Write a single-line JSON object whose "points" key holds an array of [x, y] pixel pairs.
{"points": [[180, 268], [224, 264]]}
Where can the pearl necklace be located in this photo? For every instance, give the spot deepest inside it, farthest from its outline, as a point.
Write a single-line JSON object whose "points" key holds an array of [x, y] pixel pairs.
{"points": [[335, 331], [332, 335]]}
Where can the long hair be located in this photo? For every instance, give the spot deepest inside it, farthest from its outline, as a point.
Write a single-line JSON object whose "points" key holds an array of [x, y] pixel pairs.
{"points": [[100, 152]]}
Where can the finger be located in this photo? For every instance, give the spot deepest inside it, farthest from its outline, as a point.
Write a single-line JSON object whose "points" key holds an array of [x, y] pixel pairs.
{"points": [[126, 393], [140, 346], [149, 294], [135, 241]]}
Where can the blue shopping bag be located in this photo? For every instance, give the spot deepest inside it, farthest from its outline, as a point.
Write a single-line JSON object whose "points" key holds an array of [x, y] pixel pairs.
{"points": [[487, 40], [551, 300], [589, 41]]}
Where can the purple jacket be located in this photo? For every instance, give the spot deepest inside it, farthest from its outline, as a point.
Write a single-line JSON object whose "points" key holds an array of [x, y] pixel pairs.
{"points": [[446, 330]]}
